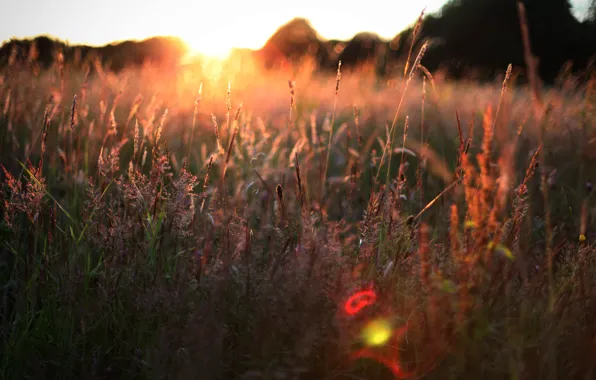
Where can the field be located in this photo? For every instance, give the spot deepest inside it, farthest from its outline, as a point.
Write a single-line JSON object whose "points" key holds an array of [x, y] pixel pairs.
{"points": [[231, 223]]}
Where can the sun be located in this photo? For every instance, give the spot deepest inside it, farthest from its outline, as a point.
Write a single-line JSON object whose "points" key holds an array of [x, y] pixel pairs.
{"points": [[213, 49], [216, 40]]}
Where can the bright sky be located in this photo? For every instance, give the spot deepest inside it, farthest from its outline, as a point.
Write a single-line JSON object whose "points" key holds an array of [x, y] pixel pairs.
{"points": [[209, 26]]}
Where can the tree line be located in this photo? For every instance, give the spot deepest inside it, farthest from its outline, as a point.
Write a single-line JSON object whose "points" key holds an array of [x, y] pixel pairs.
{"points": [[468, 38]]}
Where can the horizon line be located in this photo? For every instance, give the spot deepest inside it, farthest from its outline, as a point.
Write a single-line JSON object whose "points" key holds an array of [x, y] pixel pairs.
{"points": [[74, 43]]}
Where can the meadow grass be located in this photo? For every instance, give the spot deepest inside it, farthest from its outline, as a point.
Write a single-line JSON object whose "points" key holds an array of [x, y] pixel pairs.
{"points": [[212, 224]]}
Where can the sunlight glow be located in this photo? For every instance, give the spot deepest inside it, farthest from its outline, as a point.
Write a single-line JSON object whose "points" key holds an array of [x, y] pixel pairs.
{"points": [[211, 28], [207, 48]]}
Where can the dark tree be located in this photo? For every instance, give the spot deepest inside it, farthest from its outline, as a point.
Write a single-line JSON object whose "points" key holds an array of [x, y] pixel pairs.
{"points": [[477, 33], [485, 34], [165, 51], [592, 12], [363, 47]]}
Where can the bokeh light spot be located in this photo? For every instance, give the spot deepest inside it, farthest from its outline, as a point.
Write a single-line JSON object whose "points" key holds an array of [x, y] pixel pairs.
{"points": [[377, 332]]}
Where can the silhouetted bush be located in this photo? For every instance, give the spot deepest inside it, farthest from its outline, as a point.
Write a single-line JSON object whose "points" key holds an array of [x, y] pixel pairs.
{"points": [[291, 44], [44, 51]]}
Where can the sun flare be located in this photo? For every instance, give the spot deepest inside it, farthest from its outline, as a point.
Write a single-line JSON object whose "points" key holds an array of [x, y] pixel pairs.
{"points": [[377, 332], [211, 49], [214, 40]]}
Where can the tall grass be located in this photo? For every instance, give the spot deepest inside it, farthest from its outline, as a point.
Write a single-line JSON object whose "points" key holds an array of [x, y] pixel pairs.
{"points": [[187, 248]]}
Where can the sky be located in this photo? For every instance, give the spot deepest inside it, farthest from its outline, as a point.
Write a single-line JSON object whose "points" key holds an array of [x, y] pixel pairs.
{"points": [[209, 26]]}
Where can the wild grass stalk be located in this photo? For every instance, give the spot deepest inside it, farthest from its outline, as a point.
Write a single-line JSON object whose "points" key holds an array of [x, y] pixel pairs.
{"points": [[194, 121], [390, 142], [326, 165]]}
